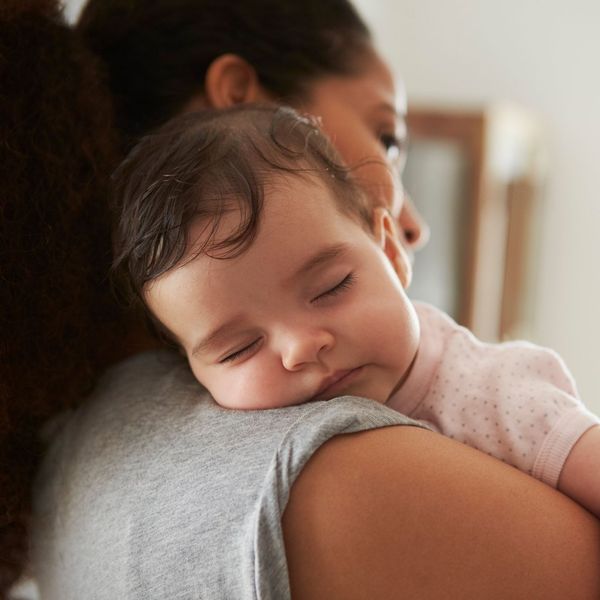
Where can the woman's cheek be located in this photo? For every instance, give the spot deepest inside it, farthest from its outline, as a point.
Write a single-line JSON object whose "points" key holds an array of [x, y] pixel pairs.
{"points": [[377, 181]]}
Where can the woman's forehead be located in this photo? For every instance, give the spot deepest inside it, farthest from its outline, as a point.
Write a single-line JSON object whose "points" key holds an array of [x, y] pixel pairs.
{"points": [[372, 88]]}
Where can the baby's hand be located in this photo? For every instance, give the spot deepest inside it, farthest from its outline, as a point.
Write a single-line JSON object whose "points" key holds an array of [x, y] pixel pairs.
{"points": [[580, 477]]}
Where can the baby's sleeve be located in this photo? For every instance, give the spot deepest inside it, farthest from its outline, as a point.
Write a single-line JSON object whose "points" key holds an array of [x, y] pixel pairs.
{"points": [[536, 413], [514, 401], [563, 418]]}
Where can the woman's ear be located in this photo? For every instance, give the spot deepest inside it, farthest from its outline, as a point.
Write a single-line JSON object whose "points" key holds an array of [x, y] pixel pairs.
{"points": [[384, 230], [231, 80]]}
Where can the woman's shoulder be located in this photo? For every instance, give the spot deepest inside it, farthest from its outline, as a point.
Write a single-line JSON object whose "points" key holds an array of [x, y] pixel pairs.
{"points": [[154, 397], [151, 473], [404, 511]]}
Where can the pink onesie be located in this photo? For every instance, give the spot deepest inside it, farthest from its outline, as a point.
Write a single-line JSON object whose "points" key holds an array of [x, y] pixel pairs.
{"points": [[515, 401]]}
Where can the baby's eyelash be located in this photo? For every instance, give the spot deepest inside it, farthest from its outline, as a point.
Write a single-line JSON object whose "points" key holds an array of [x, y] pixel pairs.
{"points": [[337, 289], [239, 353]]}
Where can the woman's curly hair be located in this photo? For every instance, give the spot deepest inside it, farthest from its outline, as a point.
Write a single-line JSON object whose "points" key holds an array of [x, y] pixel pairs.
{"points": [[57, 317]]}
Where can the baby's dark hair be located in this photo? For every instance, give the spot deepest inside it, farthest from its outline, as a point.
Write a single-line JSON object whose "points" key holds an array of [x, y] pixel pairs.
{"points": [[203, 165]]}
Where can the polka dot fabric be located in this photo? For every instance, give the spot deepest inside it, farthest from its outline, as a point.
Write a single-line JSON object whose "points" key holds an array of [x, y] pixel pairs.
{"points": [[515, 401]]}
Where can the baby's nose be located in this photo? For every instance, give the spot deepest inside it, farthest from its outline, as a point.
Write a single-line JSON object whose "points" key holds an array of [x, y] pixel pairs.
{"points": [[305, 346]]}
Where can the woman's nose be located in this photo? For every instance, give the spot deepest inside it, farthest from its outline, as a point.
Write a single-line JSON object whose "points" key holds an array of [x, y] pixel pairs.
{"points": [[304, 346], [413, 227]]}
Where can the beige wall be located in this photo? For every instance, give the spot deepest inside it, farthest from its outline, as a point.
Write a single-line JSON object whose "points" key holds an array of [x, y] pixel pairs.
{"points": [[545, 55]]}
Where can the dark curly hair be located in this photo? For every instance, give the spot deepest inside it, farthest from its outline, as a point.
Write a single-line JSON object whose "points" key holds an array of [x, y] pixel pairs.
{"points": [[58, 320]]}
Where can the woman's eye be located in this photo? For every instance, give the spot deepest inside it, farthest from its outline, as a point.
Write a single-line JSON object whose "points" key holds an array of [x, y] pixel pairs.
{"points": [[389, 141], [239, 353], [336, 289], [395, 149]]}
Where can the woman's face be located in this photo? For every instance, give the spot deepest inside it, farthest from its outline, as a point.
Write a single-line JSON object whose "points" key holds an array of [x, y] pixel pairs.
{"points": [[364, 116]]}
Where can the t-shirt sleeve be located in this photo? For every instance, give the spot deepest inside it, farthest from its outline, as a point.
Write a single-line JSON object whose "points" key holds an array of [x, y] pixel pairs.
{"points": [[150, 490], [305, 436]]}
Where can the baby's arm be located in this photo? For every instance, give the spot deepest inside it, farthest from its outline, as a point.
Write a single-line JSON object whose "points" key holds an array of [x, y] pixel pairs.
{"points": [[580, 476]]}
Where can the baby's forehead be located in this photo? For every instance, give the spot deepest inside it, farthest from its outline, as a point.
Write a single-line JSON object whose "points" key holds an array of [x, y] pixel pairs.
{"points": [[306, 183], [307, 195], [308, 180], [236, 224]]}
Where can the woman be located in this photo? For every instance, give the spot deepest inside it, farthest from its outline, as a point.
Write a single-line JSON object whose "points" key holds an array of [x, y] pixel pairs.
{"points": [[149, 490], [165, 58]]}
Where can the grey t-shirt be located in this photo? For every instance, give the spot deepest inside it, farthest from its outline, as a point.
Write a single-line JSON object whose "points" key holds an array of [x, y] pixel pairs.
{"points": [[152, 491]]}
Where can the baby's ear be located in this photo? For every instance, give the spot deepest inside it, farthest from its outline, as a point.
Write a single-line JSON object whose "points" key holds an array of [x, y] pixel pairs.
{"points": [[384, 230]]}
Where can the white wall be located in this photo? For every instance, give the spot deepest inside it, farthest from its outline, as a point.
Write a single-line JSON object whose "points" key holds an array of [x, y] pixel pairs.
{"points": [[546, 56]]}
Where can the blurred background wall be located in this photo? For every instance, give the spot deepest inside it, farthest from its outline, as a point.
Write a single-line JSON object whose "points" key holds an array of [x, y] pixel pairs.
{"points": [[544, 56]]}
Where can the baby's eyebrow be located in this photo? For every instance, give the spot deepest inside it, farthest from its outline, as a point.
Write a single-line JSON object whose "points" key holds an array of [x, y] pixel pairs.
{"points": [[321, 258], [213, 338]]}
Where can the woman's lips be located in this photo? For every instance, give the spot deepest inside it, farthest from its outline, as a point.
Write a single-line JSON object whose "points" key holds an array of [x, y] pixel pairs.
{"points": [[336, 383]]}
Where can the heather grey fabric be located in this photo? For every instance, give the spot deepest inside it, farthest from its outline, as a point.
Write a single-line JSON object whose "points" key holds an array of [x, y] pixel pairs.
{"points": [[152, 491]]}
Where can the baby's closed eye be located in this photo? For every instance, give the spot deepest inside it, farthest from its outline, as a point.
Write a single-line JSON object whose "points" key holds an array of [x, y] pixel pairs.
{"points": [[246, 350], [341, 286]]}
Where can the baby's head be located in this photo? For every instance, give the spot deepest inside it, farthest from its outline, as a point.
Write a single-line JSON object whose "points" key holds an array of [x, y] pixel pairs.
{"points": [[255, 252]]}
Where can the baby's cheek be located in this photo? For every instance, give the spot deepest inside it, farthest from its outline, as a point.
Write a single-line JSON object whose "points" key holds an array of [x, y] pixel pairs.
{"points": [[254, 385], [219, 386], [232, 392], [198, 373], [394, 323]]}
